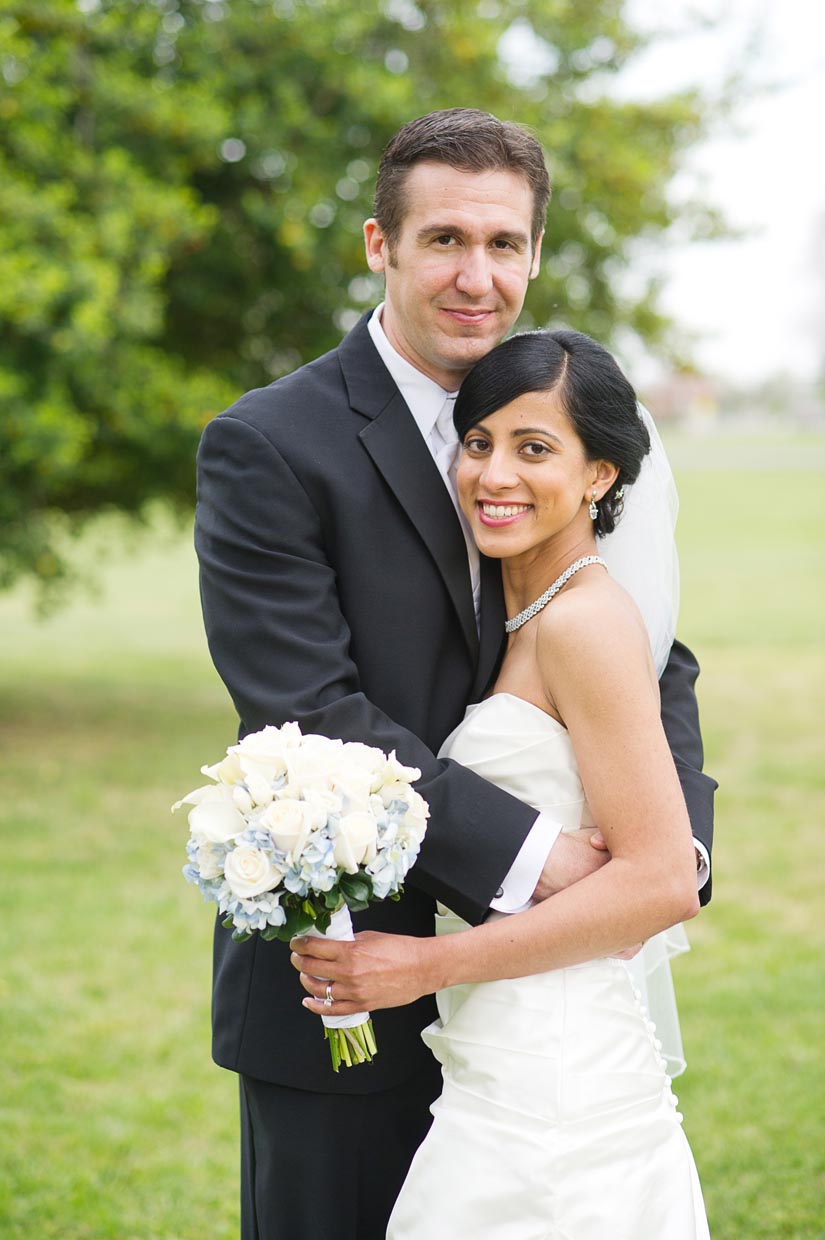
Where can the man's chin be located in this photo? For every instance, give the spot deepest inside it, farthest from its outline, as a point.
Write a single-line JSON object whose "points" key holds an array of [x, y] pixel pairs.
{"points": [[462, 352]]}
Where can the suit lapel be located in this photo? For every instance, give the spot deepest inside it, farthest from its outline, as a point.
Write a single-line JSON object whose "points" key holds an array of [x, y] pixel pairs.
{"points": [[492, 626], [399, 452], [395, 444]]}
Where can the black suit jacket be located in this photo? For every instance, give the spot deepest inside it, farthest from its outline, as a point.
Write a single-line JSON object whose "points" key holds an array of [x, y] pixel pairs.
{"points": [[336, 591]]}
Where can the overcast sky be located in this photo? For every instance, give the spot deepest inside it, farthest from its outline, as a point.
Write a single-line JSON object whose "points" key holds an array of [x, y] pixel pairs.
{"points": [[759, 301]]}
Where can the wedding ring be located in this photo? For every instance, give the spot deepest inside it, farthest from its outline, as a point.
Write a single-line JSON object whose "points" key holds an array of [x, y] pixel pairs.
{"points": [[328, 999]]}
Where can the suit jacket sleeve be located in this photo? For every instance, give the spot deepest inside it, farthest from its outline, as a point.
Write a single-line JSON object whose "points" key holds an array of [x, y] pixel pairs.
{"points": [[281, 644], [680, 717]]}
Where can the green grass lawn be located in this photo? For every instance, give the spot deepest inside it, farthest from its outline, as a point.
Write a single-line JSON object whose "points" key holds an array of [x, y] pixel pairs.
{"points": [[114, 1122]]}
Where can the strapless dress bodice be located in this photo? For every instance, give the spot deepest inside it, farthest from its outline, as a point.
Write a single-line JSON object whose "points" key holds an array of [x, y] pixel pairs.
{"points": [[525, 751]]}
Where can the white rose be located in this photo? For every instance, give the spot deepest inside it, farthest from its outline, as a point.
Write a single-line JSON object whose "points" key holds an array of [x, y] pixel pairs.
{"points": [[241, 799], [227, 771], [365, 758], [261, 757], [249, 872], [395, 791], [321, 804], [289, 823], [209, 792], [268, 745], [259, 778], [395, 770], [215, 821], [312, 765], [355, 842], [322, 744], [354, 786]]}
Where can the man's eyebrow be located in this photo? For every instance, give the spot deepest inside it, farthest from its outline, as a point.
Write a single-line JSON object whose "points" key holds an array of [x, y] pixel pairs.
{"points": [[519, 239]]}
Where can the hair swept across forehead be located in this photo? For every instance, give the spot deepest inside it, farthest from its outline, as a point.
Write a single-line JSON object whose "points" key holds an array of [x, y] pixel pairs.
{"points": [[462, 138]]}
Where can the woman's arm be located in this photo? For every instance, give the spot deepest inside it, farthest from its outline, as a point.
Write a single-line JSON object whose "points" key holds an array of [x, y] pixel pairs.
{"points": [[597, 677]]}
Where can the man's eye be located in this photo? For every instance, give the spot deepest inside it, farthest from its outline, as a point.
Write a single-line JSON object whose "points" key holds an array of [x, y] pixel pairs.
{"points": [[445, 239]]}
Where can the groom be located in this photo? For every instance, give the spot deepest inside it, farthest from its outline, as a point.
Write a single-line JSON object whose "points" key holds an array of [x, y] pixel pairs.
{"points": [[341, 589]]}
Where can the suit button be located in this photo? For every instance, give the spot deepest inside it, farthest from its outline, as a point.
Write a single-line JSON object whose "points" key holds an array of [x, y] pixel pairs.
{"points": [[499, 894]]}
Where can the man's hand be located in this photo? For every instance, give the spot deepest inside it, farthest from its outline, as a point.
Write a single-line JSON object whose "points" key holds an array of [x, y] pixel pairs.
{"points": [[574, 856]]}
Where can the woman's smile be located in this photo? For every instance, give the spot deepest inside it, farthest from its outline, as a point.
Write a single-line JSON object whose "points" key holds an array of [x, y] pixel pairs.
{"points": [[498, 514]]}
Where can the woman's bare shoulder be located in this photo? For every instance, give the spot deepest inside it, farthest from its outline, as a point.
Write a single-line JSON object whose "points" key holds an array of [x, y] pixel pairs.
{"points": [[595, 628]]}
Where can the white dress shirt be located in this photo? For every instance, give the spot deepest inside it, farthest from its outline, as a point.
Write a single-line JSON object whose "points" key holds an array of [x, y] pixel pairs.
{"points": [[426, 401]]}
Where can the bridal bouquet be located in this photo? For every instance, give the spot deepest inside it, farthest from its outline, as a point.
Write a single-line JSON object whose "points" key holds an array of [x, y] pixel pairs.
{"points": [[294, 832]]}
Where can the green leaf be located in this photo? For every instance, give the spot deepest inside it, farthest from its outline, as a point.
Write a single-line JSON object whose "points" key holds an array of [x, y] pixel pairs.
{"points": [[356, 887], [131, 239], [297, 922]]}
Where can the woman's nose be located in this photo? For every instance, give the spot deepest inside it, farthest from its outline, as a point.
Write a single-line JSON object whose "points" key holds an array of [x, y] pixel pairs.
{"points": [[499, 473]]}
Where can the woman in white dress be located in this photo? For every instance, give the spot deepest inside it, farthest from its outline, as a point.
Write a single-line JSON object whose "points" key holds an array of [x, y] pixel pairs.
{"points": [[557, 1117]]}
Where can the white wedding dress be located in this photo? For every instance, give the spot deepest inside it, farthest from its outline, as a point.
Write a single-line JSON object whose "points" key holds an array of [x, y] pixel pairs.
{"points": [[557, 1118]]}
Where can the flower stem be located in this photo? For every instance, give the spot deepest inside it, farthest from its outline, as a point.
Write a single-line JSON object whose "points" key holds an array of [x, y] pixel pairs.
{"points": [[351, 1046]]}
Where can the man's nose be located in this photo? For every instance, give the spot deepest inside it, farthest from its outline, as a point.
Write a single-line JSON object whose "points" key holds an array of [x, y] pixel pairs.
{"points": [[475, 273]]}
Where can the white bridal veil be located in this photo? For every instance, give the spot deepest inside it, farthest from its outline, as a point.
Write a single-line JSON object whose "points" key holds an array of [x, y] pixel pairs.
{"points": [[641, 556], [641, 551]]}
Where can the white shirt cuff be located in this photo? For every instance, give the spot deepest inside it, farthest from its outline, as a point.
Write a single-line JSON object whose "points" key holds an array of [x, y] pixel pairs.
{"points": [[703, 864], [516, 892]]}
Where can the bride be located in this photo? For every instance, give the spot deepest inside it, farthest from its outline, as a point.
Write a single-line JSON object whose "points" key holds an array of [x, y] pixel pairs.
{"points": [[556, 1117]]}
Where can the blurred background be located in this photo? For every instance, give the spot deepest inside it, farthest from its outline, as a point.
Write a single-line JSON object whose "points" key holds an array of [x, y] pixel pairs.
{"points": [[182, 188]]}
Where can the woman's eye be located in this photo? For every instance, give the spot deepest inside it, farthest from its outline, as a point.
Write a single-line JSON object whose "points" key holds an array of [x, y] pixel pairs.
{"points": [[474, 444], [535, 449]]}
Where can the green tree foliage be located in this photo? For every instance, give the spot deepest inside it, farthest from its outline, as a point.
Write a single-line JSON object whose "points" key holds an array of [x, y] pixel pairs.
{"points": [[182, 188]]}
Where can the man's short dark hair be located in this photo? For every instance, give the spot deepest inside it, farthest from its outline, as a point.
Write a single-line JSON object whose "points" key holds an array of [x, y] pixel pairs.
{"points": [[463, 138]]}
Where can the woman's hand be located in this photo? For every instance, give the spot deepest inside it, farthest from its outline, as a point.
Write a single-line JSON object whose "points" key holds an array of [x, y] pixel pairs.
{"points": [[373, 971]]}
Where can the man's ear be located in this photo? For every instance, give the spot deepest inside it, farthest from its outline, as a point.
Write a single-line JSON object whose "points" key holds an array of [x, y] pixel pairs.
{"points": [[375, 245], [536, 263]]}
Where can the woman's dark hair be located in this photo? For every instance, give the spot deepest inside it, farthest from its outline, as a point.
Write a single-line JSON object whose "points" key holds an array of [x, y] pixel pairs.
{"points": [[595, 395]]}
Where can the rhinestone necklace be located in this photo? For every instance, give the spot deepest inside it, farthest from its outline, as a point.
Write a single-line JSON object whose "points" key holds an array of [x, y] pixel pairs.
{"points": [[534, 608]]}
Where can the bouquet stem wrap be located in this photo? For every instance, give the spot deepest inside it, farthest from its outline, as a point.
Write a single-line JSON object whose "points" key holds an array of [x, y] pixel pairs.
{"points": [[351, 1039]]}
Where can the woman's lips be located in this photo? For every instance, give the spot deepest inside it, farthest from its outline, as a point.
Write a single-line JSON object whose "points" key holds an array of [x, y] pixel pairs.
{"points": [[500, 514]]}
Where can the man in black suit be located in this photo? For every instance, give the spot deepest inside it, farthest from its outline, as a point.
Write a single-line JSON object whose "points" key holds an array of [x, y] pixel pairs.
{"points": [[340, 589]]}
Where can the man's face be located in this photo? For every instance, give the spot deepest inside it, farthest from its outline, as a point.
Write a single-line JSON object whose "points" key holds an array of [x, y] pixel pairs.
{"points": [[457, 274]]}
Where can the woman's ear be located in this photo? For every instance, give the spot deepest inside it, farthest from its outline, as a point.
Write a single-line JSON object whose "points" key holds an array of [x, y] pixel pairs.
{"points": [[604, 475]]}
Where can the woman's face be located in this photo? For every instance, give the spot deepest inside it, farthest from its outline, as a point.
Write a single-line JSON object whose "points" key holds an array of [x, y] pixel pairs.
{"points": [[524, 478]]}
